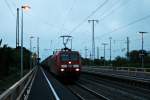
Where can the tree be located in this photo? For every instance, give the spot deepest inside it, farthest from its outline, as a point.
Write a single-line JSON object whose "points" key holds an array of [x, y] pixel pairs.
{"points": [[5, 60], [120, 61], [10, 60], [0, 42], [135, 55]]}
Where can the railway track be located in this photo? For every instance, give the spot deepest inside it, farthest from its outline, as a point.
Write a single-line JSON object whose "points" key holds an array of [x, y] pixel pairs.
{"points": [[85, 93], [113, 90], [94, 87]]}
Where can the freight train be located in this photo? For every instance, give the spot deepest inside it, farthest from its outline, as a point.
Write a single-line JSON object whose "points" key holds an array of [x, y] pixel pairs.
{"points": [[64, 63]]}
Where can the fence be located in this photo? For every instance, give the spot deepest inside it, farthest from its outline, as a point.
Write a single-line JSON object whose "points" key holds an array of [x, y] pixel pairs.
{"points": [[18, 90]]}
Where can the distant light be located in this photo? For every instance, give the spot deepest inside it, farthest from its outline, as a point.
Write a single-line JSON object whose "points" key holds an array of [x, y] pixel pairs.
{"points": [[62, 69]]}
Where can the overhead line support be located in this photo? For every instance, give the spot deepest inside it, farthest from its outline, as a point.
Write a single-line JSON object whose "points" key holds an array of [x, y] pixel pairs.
{"points": [[93, 38]]}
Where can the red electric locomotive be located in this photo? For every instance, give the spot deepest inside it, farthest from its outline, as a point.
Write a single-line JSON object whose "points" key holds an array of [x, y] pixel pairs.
{"points": [[65, 63]]}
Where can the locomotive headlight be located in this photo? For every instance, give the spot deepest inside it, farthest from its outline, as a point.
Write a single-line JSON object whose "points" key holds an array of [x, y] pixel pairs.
{"points": [[77, 69], [75, 66], [69, 62], [63, 66]]}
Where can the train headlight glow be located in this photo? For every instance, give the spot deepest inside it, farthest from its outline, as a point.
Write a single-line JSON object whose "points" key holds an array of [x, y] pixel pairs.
{"points": [[62, 69], [63, 66], [69, 62], [75, 66], [77, 69]]}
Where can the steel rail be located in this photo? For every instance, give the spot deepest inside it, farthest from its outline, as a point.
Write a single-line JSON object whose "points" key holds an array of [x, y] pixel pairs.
{"points": [[114, 89], [77, 94], [92, 91], [122, 85], [117, 75]]}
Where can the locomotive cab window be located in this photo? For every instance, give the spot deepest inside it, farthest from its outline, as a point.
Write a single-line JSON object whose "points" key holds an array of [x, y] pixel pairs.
{"points": [[64, 57], [67, 57], [73, 57]]}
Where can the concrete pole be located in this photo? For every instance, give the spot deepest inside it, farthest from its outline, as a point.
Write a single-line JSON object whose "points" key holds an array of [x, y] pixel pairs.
{"points": [[22, 43], [38, 47], [110, 38], [104, 44], [142, 55], [17, 28], [31, 51], [93, 38]]}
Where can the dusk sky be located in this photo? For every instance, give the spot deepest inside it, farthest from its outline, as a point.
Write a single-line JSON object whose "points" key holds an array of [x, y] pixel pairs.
{"points": [[49, 19]]}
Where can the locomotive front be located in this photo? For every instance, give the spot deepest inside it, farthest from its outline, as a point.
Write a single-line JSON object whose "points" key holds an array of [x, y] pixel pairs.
{"points": [[69, 63]]}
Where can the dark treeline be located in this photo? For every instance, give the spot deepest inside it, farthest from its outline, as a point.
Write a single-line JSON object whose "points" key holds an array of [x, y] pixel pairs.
{"points": [[10, 60], [132, 60]]}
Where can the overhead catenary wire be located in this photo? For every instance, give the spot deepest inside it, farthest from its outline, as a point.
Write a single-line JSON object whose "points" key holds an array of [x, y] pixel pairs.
{"points": [[91, 14], [114, 9], [126, 25], [86, 18], [68, 12], [13, 3], [9, 7], [45, 22]]}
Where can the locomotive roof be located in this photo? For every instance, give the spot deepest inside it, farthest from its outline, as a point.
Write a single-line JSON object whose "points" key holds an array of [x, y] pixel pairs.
{"points": [[65, 51]]}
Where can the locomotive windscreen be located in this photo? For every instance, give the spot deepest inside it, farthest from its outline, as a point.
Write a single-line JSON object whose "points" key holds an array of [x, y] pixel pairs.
{"points": [[69, 57]]}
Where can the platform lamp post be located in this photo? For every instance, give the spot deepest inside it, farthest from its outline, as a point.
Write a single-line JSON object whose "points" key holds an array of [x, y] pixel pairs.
{"points": [[31, 37], [38, 47], [34, 49], [110, 38], [104, 44], [142, 55], [23, 8], [34, 56]]}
